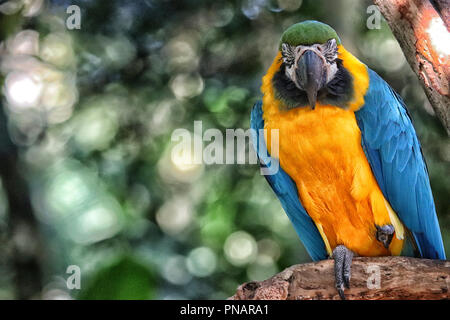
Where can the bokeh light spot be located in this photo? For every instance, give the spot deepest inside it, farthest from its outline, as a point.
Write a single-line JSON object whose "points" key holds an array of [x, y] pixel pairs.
{"points": [[26, 42], [175, 215], [57, 49], [201, 262], [175, 270], [290, 5], [240, 248], [186, 86], [22, 90]]}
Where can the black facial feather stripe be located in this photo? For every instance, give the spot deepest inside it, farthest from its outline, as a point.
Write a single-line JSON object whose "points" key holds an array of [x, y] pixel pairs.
{"points": [[288, 54], [337, 92], [330, 51]]}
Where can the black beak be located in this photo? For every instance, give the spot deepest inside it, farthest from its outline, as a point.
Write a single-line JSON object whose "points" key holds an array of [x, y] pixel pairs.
{"points": [[389, 240], [310, 74]]}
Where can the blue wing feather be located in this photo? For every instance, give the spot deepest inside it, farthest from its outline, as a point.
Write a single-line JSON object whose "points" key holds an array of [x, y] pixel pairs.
{"points": [[394, 153], [286, 191]]}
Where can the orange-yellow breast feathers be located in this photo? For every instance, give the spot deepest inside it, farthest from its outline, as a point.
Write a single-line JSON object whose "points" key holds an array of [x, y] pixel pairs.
{"points": [[321, 151]]}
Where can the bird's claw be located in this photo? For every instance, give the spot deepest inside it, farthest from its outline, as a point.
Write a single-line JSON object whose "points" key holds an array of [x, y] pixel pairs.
{"points": [[341, 293], [342, 268]]}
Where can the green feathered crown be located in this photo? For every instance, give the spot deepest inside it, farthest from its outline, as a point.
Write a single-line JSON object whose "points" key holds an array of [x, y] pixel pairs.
{"points": [[308, 33]]}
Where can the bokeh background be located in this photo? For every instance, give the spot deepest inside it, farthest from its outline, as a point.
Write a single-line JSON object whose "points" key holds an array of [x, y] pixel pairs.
{"points": [[85, 142]]}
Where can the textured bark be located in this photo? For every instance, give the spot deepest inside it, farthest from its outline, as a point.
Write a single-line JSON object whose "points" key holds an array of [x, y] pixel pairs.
{"points": [[400, 278], [410, 22]]}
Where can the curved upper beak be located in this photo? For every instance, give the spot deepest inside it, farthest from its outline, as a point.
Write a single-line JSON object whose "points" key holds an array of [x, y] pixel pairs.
{"points": [[310, 75]]}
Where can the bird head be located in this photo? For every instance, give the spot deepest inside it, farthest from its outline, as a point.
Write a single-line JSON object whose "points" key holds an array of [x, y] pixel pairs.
{"points": [[310, 68]]}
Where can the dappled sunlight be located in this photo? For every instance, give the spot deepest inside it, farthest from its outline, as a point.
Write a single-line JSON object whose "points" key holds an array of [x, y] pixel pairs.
{"points": [[240, 248], [201, 262], [28, 8], [56, 48], [22, 91], [180, 165], [187, 85], [35, 85], [99, 222], [440, 37], [175, 216]]}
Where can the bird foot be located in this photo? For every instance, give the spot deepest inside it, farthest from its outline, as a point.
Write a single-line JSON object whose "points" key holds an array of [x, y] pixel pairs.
{"points": [[342, 268]]}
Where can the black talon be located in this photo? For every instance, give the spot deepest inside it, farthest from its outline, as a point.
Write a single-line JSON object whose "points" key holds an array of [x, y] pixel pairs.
{"points": [[347, 281], [341, 293], [342, 268]]}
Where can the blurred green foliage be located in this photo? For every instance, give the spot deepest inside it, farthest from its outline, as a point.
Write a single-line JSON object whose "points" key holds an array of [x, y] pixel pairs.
{"points": [[122, 280], [94, 138]]}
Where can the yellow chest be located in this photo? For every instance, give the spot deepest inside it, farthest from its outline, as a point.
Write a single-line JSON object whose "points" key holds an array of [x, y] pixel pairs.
{"points": [[321, 151], [322, 146]]}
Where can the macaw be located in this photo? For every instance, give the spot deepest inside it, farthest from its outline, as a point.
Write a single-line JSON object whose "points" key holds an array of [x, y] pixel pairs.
{"points": [[352, 177]]}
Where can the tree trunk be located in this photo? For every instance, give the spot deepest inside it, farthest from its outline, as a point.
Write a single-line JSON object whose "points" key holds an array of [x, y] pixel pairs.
{"points": [[381, 278], [422, 30]]}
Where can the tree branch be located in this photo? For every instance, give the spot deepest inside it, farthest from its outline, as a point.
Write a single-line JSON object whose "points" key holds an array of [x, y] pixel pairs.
{"points": [[420, 31], [399, 278]]}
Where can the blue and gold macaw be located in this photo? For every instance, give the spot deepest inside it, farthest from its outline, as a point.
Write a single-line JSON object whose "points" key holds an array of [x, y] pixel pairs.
{"points": [[352, 176]]}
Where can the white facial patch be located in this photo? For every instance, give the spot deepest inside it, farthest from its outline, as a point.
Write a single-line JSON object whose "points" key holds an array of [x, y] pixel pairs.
{"points": [[327, 52]]}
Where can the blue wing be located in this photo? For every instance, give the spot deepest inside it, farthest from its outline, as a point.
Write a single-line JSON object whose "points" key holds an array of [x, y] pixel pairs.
{"points": [[286, 191], [394, 153]]}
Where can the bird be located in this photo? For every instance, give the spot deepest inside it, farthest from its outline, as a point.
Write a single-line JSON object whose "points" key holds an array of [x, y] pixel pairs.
{"points": [[351, 174]]}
